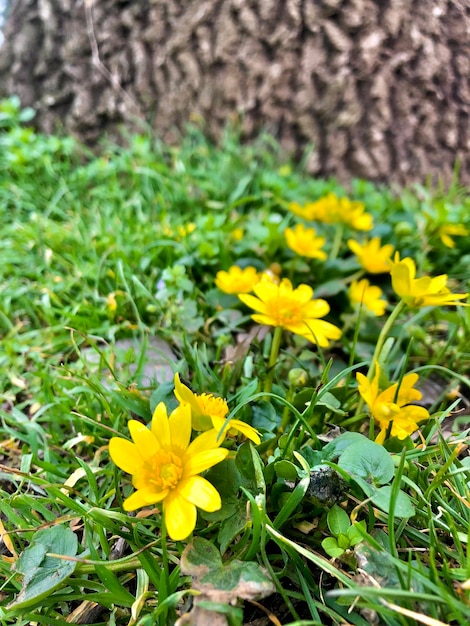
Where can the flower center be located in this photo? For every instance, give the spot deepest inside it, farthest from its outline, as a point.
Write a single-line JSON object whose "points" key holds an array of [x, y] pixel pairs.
{"points": [[384, 412], [285, 313], [211, 405], [166, 471]]}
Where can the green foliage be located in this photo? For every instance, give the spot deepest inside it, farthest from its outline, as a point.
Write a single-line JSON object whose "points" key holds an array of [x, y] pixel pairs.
{"points": [[43, 573], [103, 254]]}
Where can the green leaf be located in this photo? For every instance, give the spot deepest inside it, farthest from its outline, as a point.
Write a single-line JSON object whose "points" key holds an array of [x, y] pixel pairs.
{"points": [[232, 527], [343, 541], [330, 288], [336, 447], [286, 469], [330, 545], [338, 520], [368, 460], [200, 556], [354, 534], [230, 576], [294, 499], [251, 468], [43, 574], [219, 582], [403, 506], [331, 402]]}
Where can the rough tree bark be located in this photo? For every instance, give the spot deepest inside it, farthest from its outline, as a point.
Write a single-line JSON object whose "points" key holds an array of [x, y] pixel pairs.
{"points": [[380, 87]]}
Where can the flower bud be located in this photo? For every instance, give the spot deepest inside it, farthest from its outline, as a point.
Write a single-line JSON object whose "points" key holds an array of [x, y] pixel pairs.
{"points": [[298, 377]]}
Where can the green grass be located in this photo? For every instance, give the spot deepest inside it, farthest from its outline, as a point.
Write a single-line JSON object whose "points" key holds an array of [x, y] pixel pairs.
{"points": [[125, 245]]}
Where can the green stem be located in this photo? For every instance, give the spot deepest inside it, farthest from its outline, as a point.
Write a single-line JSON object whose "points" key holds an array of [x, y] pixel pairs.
{"points": [[286, 412], [275, 346], [386, 328], [163, 589], [337, 242]]}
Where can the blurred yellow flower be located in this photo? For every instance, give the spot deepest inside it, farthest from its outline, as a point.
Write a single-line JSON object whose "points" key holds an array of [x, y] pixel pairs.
{"points": [[447, 231], [237, 234], [301, 211], [424, 291], [304, 241], [293, 309], [333, 210], [237, 280], [373, 257], [165, 468], [186, 230], [111, 303], [362, 293], [391, 407], [208, 411]]}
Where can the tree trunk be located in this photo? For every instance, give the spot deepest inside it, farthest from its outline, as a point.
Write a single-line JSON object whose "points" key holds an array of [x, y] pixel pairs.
{"points": [[381, 88]]}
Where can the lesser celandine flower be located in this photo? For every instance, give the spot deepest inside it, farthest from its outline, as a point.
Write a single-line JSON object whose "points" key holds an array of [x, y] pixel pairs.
{"points": [[293, 309], [447, 231], [165, 468], [333, 210], [304, 242], [424, 291], [237, 234], [362, 293], [391, 407], [237, 280], [373, 257], [209, 411]]}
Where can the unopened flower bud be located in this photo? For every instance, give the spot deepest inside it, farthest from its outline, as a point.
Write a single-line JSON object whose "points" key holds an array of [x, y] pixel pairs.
{"points": [[298, 377]]}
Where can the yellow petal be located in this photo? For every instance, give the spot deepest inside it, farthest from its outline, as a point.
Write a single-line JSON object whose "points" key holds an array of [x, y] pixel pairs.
{"points": [[202, 461], [254, 303], [201, 493], [263, 319], [316, 308], [401, 278], [143, 497], [180, 516], [369, 389], [160, 427], [180, 428], [184, 394], [305, 293], [143, 439], [206, 441], [247, 430], [125, 455]]}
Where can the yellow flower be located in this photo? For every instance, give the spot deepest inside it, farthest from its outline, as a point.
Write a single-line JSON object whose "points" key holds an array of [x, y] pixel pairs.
{"points": [[362, 293], [332, 210], [446, 230], [208, 411], [301, 211], [391, 407], [186, 230], [373, 257], [424, 291], [111, 303], [165, 468], [237, 280], [304, 241], [237, 234], [292, 309]]}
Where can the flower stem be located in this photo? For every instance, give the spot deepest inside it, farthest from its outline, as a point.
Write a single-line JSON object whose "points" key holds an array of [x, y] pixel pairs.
{"points": [[275, 345], [286, 412], [386, 328], [336, 242], [163, 589]]}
